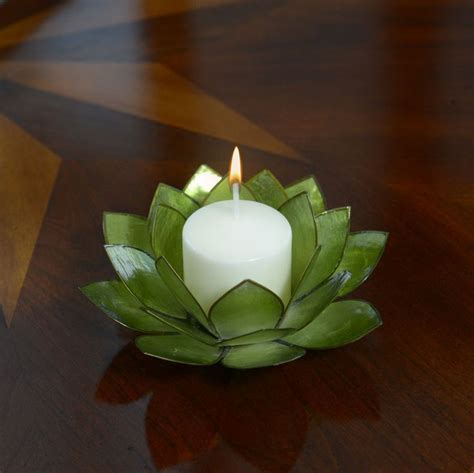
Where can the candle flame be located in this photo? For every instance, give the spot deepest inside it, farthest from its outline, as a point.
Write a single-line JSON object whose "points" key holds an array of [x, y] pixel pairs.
{"points": [[235, 175]]}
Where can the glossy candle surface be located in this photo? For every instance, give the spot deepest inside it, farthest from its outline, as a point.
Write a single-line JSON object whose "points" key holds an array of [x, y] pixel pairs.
{"points": [[220, 250]]}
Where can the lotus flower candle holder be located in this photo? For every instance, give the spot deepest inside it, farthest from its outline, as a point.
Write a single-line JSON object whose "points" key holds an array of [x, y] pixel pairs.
{"points": [[249, 326]]}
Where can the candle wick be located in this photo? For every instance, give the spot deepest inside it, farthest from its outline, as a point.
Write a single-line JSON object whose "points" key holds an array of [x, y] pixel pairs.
{"points": [[235, 195]]}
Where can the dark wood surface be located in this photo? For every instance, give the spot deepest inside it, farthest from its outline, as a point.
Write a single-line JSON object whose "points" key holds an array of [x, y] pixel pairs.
{"points": [[100, 101]]}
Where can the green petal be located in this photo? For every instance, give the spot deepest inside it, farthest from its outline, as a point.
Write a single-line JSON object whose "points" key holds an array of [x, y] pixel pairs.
{"points": [[361, 256], [246, 308], [311, 186], [332, 229], [267, 189], [137, 270], [201, 183], [298, 212], [260, 336], [303, 310], [308, 276], [341, 323], [115, 300], [261, 355], [127, 229], [178, 348], [222, 191], [185, 327], [174, 198], [181, 293], [167, 236]]}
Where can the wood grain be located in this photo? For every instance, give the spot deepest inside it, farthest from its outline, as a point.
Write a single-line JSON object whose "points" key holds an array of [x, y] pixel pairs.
{"points": [[374, 98], [147, 90], [58, 18], [28, 172]]}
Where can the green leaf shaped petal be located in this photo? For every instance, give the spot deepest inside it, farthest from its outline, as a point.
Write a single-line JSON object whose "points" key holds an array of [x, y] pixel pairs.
{"points": [[178, 348], [298, 212], [267, 189], [361, 256], [137, 271], [341, 323], [115, 300], [261, 336], [301, 311], [201, 183], [310, 274], [261, 355], [174, 198], [127, 229], [167, 236], [222, 191], [311, 186], [332, 229], [246, 308], [181, 293], [185, 327]]}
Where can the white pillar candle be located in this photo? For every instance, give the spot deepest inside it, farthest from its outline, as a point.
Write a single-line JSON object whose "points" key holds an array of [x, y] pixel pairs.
{"points": [[222, 248]]}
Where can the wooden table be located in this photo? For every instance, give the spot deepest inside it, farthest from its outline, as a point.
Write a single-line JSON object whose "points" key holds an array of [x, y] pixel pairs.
{"points": [[101, 100]]}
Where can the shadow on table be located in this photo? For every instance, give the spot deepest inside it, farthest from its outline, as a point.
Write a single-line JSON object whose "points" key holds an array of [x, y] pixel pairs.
{"points": [[224, 420]]}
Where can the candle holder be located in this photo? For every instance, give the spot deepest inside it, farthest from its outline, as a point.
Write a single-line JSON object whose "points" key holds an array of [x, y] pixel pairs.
{"points": [[249, 326]]}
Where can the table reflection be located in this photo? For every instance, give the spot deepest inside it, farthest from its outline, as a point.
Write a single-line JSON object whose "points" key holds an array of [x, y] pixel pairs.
{"points": [[214, 419]]}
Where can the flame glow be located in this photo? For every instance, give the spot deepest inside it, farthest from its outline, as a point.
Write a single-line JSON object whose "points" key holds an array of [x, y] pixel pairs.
{"points": [[235, 174]]}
